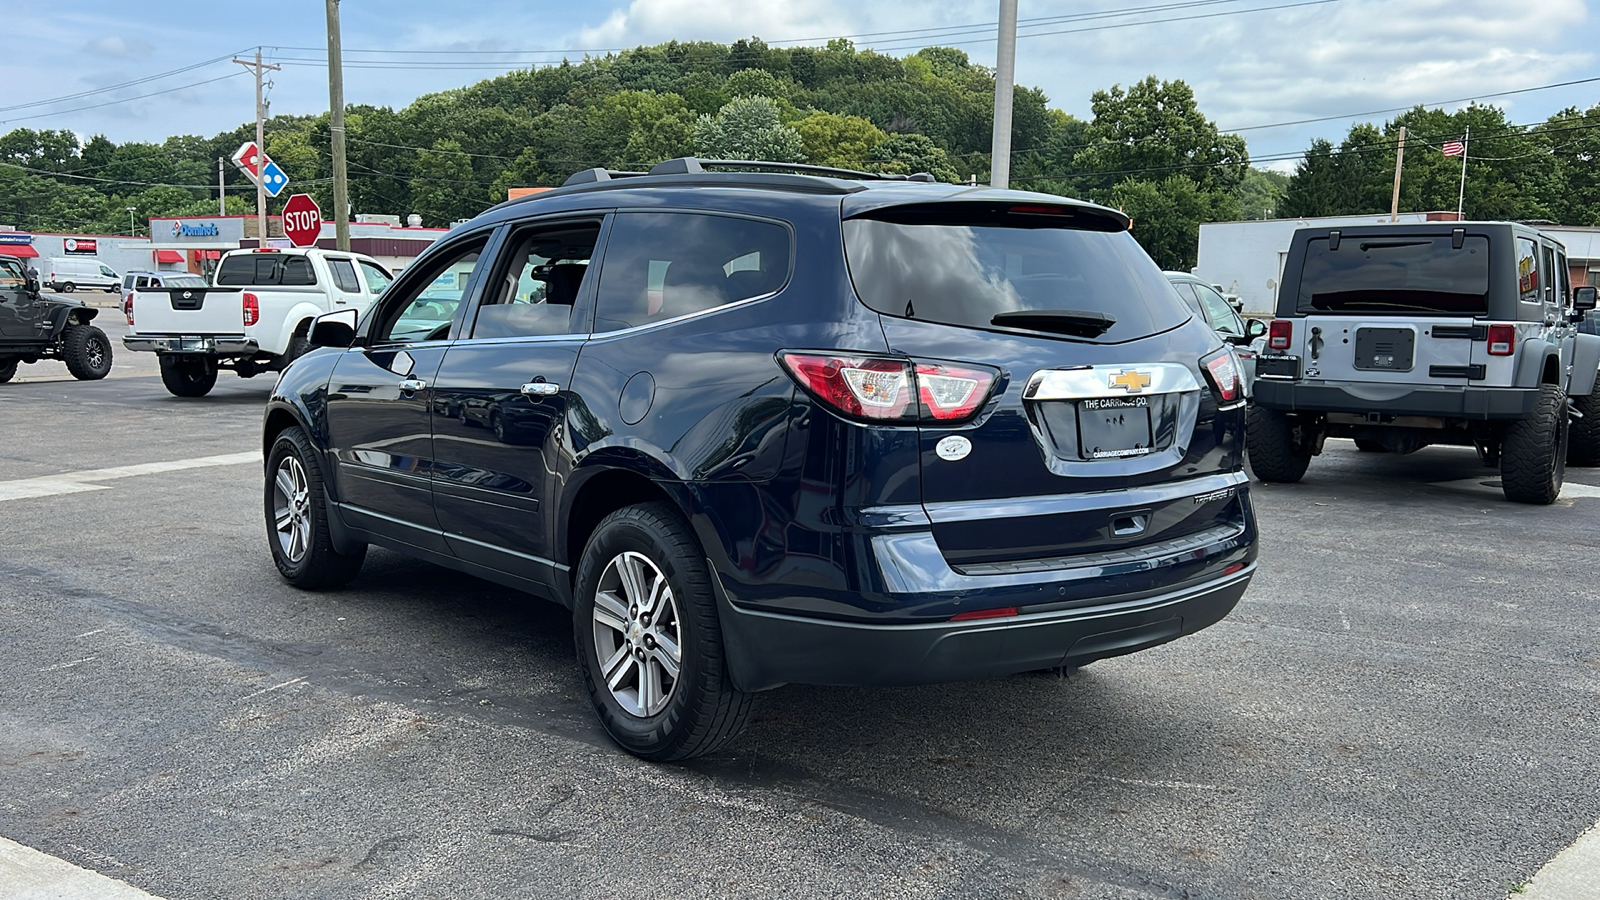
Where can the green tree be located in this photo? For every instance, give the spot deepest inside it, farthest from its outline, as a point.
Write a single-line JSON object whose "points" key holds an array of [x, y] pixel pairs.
{"points": [[443, 187], [847, 142], [747, 128], [1167, 215], [908, 154], [1154, 129], [1260, 193]]}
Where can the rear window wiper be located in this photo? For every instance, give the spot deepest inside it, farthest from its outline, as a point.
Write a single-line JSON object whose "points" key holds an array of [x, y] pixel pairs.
{"points": [[1075, 322]]}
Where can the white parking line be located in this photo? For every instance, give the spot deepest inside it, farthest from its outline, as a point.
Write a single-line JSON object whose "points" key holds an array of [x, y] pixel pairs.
{"points": [[1490, 484], [77, 482], [1573, 875], [27, 874]]}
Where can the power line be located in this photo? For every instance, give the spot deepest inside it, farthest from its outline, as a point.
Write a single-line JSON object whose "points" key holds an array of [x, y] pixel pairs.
{"points": [[115, 87], [62, 112]]}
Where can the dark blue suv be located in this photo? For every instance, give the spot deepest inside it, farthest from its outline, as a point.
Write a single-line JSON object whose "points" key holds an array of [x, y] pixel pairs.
{"points": [[772, 424]]}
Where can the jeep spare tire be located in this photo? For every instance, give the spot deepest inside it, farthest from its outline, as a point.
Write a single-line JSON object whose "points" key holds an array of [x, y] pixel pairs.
{"points": [[87, 352], [1533, 457]]}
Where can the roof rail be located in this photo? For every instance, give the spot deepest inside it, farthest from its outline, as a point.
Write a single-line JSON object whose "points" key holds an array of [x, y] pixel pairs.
{"points": [[689, 165], [589, 176]]}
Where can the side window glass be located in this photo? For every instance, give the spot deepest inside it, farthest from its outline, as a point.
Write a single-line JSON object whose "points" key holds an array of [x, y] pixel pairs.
{"points": [[377, 279], [1563, 281], [536, 289], [11, 275], [344, 275], [1222, 316], [660, 266], [106, 271], [1550, 276], [425, 309], [1186, 294], [1527, 271], [297, 272]]}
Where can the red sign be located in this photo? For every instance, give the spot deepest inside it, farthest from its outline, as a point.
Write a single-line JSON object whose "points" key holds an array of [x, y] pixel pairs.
{"points": [[80, 245], [302, 220]]}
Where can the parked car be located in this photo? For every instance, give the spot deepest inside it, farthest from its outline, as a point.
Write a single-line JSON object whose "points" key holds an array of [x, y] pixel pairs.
{"points": [[256, 317], [34, 326], [143, 280], [767, 427], [69, 273], [1246, 335], [1401, 336]]}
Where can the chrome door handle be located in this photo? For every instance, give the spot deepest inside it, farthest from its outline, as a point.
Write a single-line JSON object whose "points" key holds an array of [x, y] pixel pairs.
{"points": [[541, 389], [412, 385]]}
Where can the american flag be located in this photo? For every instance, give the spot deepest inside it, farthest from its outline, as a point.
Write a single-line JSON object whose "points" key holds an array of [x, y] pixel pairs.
{"points": [[1453, 148]]}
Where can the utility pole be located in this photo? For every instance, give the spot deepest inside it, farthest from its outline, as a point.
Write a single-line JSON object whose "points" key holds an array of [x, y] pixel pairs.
{"points": [[1399, 159], [261, 147], [1005, 75], [341, 183], [222, 198], [1461, 199]]}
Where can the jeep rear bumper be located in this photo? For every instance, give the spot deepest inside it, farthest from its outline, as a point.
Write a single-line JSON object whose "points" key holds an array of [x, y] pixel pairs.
{"points": [[1445, 401], [205, 345], [766, 649]]}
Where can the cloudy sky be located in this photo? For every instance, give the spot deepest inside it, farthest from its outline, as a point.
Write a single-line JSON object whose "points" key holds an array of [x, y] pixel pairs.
{"points": [[1287, 61]]}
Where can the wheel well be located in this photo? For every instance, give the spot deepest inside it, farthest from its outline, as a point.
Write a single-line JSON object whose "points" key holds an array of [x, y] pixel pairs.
{"points": [[1552, 371], [278, 421], [304, 328], [601, 496]]}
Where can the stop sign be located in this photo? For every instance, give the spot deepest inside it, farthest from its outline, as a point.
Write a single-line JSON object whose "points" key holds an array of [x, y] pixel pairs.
{"points": [[302, 220]]}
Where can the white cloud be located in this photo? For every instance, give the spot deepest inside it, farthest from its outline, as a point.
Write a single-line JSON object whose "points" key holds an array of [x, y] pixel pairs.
{"points": [[118, 46]]}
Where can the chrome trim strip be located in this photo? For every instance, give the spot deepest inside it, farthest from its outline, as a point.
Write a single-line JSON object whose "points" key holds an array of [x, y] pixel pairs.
{"points": [[1084, 382]]}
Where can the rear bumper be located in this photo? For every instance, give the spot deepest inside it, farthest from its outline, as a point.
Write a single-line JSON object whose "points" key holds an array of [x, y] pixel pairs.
{"points": [[207, 345], [1449, 401], [765, 649]]}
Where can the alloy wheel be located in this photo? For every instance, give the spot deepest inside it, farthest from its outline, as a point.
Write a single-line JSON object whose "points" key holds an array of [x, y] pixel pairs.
{"points": [[637, 634], [291, 508]]}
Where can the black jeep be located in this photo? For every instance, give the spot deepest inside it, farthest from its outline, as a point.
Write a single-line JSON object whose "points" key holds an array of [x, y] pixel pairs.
{"points": [[35, 327]]}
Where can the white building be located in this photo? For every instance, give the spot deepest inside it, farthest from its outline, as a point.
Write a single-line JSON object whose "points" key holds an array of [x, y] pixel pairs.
{"points": [[1247, 258]]}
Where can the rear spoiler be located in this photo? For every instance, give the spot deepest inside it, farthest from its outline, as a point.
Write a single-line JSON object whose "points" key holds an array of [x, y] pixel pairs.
{"points": [[996, 208]]}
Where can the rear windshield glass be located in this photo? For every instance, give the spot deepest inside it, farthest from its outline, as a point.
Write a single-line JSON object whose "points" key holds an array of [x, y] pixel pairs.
{"points": [[183, 281], [262, 269], [964, 269], [1396, 274]]}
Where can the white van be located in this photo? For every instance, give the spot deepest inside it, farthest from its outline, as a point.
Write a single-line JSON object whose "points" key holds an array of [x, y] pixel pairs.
{"points": [[67, 273]]}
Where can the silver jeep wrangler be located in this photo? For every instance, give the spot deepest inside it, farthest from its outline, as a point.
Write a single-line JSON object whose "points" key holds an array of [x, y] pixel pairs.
{"points": [[1401, 336]]}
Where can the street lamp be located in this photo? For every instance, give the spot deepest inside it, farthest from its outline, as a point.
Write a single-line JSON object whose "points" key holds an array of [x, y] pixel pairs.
{"points": [[132, 229]]}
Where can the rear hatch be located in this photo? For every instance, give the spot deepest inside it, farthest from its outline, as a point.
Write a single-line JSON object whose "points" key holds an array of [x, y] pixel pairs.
{"points": [[1391, 309], [1103, 426], [188, 310]]}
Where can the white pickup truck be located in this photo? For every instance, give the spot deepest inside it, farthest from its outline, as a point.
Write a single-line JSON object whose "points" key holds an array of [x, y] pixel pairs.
{"points": [[254, 319]]}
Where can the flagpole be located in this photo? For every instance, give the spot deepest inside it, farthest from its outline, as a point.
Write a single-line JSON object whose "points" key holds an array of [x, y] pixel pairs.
{"points": [[1461, 200]]}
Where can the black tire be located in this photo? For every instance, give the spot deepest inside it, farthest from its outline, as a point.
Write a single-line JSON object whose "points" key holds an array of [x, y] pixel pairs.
{"points": [[8, 370], [1583, 440], [299, 346], [1275, 454], [701, 711], [188, 376], [87, 352], [295, 503], [67, 287], [1370, 446], [1533, 456], [112, 289]]}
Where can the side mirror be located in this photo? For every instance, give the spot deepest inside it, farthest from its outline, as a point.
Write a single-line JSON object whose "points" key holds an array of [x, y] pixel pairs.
{"points": [[1583, 298], [31, 285], [1254, 328], [335, 329]]}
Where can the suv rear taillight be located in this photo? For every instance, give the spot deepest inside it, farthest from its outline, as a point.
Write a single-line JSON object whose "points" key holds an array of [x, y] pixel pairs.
{"points": [[1502, 340], [885, 389], [252, 309], [1223, 371], [1279, 333]]}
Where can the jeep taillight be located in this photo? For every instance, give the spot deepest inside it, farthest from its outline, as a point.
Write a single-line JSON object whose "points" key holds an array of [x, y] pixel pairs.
{"points": [[901, 391], [1279, 333], [252, 309], [1223, 371], [1502, 340]]}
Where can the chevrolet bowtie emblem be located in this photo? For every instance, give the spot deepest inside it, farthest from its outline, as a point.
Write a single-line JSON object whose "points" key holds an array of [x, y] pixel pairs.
{"points": [[1132, 380]]}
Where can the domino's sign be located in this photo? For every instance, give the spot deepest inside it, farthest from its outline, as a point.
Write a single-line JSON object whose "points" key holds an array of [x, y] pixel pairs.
{"points": [[184, 229]]}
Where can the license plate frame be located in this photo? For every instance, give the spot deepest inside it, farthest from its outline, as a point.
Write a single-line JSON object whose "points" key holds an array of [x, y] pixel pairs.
{"points": [[1114, 427]]}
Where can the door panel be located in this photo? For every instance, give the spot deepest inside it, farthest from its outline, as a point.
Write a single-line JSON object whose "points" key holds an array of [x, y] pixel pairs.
{"points": [[382, 445], [16, 304]]}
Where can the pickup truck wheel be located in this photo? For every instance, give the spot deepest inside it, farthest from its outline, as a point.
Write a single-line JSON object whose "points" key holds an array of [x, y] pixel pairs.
{"points": [[648, 638], [87, 352], [1583, 441], [299, 346], [1533, 456], [188, 376], [297, 518], [1370, 446], [1275, 454], [8, 370]]}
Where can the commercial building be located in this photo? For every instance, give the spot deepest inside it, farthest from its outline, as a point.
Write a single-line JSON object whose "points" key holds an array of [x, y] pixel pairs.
{"points": [[200, 240], [1247, 258], [119, 251]]}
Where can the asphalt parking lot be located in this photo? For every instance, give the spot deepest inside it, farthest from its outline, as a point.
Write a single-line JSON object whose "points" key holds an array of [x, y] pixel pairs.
{"points": [[1404, 705]]}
